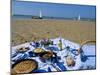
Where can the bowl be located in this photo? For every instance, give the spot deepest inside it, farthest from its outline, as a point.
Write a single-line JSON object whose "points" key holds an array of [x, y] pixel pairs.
{"points": [[70, 61], [46, 54]]}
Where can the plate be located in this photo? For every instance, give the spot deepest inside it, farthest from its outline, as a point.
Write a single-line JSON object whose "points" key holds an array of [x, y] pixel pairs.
{"points": [[23, 49], [38, 50]]}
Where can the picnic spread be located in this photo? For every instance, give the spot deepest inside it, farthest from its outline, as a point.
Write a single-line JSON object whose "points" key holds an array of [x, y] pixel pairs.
{"points": [[52, 55]]}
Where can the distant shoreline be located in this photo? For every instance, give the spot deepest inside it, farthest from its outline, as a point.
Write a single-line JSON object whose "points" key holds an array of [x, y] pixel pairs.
{"points": [[47, 17]]}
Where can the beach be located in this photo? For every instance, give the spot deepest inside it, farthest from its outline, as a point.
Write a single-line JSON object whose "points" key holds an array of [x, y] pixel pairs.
{"points": [[27, 30]]}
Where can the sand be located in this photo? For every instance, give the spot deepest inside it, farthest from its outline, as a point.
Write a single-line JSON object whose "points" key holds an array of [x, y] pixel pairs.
{"points": [[35, 29]]}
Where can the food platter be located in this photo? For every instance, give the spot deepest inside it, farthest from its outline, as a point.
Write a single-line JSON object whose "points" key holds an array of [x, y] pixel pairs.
{"points": [[24, 66]]}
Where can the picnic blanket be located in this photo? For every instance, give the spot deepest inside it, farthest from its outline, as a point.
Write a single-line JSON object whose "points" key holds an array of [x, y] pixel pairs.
{"points": [[82, 61]]}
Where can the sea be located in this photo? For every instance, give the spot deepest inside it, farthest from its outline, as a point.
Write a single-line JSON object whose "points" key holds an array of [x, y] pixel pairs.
{"points": [[49, 17]]}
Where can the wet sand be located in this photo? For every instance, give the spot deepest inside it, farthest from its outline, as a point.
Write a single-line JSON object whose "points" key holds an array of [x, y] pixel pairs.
{"points": [[35, 29]]}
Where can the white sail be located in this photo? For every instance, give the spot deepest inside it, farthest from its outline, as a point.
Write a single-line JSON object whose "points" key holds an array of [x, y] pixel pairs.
{"points": [[79, 18], [40, 14]]}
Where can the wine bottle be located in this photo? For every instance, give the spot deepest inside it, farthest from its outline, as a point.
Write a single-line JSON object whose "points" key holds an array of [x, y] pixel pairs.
{"points": [[60, 44]]}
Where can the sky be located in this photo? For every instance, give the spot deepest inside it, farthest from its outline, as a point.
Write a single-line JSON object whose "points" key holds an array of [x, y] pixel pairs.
{"points": [[53, 9]]}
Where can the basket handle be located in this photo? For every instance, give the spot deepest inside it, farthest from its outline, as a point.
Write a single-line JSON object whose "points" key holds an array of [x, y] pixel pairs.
{"points": [[83, 43]]}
